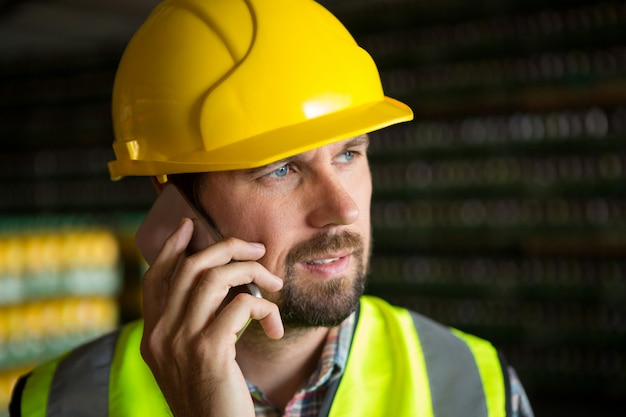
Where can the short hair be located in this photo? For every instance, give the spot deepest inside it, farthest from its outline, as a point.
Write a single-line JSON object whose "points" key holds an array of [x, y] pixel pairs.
{"points": [[190, 185]]}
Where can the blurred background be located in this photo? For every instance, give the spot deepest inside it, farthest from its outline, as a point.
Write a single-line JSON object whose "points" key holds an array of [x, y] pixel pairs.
{"points": [[501, 210]]}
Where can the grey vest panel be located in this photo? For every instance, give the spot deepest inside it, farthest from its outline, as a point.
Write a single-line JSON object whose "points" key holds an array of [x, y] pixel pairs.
{"points": [[80, 386], [455, 383]]}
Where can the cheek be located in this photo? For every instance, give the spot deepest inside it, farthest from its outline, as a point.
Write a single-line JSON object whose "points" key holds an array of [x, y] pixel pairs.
{"points": [[270, 224], [248, 221], [363, 197], [234, 217]]}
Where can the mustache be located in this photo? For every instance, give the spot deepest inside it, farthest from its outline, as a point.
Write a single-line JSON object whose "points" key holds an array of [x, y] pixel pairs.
{"points": [[324, 243]]}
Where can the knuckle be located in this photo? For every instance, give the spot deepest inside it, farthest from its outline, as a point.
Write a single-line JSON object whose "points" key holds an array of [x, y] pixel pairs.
{"points": [[241, 298], [209, 277], [187, 264], [192, 266], [230, 242], [148, 348], [273, 308]]}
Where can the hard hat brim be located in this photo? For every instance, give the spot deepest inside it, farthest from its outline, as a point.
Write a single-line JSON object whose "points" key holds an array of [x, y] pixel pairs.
{"points": [[279, 143]]}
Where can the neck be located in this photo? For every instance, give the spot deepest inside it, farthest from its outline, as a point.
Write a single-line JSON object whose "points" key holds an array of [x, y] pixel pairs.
{"points": [[280, 367]]}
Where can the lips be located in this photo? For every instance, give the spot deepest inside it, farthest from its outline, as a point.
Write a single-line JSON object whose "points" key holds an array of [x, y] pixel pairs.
{"points": [[326, 258], [322, 261], [327, 267]]}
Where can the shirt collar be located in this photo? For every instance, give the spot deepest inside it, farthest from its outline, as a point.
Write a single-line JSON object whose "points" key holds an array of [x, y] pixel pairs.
{"points": [[334, 356]]}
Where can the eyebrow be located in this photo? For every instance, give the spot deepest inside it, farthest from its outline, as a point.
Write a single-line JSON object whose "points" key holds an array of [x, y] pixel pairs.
{"points": [[361, 140]]}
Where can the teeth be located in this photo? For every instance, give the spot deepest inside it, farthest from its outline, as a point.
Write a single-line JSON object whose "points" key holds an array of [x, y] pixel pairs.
{"points": [[323, 261]]}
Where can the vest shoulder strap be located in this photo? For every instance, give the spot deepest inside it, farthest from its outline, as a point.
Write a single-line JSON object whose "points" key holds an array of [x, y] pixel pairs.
{"points": [[404, 364]]}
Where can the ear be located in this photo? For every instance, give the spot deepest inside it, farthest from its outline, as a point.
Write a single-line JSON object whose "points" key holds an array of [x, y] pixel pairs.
{"points": [[158, 185]]}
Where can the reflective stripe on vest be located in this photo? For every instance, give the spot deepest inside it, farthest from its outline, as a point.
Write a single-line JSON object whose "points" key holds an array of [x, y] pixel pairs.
{"points": [[78, 396], [76, 384], [428, 371]]}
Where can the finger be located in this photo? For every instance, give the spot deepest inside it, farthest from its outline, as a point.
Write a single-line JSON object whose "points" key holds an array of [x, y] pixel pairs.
{"points": [[156, 281], [211, 289], [236, 314], [193, 268]]}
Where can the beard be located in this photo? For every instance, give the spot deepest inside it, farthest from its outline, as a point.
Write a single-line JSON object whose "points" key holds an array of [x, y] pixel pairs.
{"points": [[305, 303]]}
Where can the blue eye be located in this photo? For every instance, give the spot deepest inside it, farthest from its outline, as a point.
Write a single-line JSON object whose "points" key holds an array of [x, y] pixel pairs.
{"points": [[280, 172], [348, 156]]}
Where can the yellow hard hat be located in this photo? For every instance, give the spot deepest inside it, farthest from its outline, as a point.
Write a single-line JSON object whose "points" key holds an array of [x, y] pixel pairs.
{"points": [[213, 85]]}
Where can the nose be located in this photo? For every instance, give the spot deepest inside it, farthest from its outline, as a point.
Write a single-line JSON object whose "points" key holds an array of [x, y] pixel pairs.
{"points": [[331, 202]]}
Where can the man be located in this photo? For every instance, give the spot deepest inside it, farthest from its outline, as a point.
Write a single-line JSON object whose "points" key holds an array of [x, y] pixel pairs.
{"points": [[259, 111]]}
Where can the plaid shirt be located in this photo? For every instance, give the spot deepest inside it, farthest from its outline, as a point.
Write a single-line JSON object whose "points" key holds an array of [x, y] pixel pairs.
{"points": [[308, 400]]}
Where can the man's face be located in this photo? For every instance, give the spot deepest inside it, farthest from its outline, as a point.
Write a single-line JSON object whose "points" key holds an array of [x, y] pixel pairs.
{"points": [[312, 213]]}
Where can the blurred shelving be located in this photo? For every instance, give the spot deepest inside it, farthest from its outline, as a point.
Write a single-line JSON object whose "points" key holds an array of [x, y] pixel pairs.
{"points": [[501, 210], [59, 281]]}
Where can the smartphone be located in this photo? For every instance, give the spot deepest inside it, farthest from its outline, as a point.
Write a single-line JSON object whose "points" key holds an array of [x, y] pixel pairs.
{"points": [[164, 217]]}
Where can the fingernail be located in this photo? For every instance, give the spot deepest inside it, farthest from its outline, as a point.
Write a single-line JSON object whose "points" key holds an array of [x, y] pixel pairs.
{"points": [[258, 245]]}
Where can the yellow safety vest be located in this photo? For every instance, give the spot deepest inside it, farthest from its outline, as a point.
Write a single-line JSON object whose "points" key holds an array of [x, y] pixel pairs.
{"points": [[400, 364]]}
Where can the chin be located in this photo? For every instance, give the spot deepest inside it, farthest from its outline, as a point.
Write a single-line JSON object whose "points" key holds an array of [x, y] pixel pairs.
{"points": [[327, 304]]}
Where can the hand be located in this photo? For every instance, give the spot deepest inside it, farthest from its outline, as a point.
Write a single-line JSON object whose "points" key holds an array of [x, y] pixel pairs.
{"points": [[190, 349]]}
